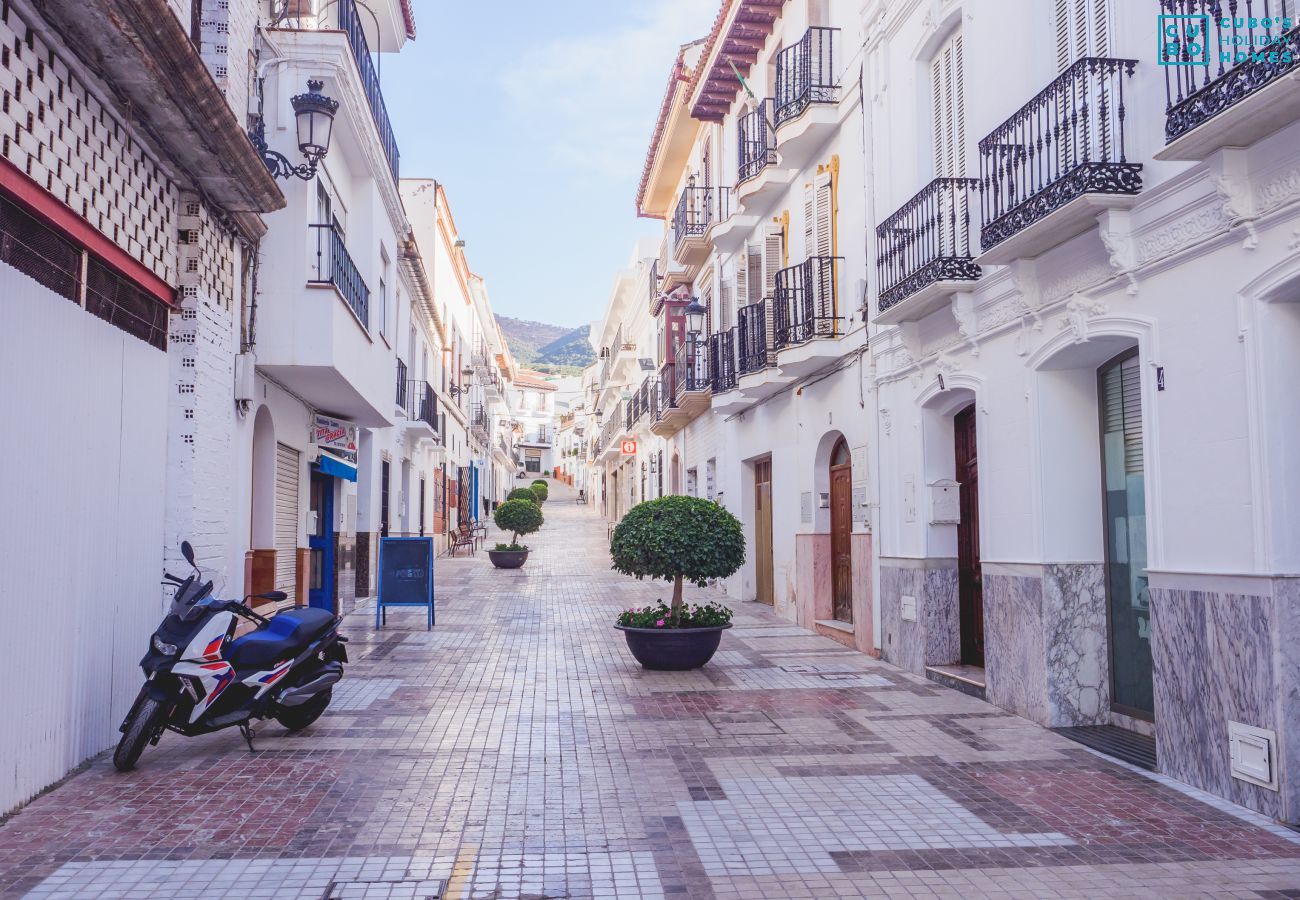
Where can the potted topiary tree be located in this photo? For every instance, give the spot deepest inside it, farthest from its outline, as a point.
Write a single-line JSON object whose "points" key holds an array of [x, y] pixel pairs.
{"points": [[518, 516], [677, 539], [541, 489], [523, 494]]}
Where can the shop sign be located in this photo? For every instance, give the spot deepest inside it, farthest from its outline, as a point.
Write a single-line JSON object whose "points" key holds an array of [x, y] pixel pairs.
{"points": [[629, 448], [335, 436]]}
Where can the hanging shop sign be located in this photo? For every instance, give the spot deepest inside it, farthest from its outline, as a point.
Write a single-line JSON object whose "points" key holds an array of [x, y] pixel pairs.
{"points": [[338, 437], [629, 448]]}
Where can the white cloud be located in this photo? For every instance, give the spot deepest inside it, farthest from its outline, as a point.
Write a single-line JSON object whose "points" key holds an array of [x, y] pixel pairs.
{"points": [[592, 99]]}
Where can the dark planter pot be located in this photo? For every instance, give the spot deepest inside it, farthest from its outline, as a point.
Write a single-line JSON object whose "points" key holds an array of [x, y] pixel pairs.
{"points": [[673, 649], [508, 559]]}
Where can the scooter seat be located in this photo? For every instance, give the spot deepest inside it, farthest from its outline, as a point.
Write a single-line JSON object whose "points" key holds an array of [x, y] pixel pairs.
{"points": [[288, 634]]}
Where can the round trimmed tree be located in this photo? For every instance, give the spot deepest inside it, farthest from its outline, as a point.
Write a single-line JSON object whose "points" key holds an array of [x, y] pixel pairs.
{"points": [[542, 490], [678, 539], [518, 517], [522, 494]]}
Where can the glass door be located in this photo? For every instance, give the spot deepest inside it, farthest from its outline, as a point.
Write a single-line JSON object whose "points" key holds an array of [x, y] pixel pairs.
{"points": [[1123, 476]]}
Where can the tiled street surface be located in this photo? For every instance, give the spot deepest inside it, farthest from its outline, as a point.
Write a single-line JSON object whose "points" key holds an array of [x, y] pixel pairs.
{"points": [[518, 751]]}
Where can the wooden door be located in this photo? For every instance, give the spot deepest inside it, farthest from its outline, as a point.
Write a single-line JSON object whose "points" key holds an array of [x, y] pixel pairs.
{"points": [[841, 529], [970, 583], [765, 576]]}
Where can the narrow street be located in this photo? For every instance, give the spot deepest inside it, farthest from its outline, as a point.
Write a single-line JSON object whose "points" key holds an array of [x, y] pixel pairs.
{"points": [[517, 750]]}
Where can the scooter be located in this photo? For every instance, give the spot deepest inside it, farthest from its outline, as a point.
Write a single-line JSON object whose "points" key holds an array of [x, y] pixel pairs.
{"points": [[200, 678]]}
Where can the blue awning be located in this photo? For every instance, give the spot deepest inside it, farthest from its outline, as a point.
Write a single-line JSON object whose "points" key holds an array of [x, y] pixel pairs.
{"points": [[337, 468]]}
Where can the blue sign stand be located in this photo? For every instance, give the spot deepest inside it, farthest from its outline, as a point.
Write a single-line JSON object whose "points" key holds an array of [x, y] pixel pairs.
{"points": [[405, 576]]}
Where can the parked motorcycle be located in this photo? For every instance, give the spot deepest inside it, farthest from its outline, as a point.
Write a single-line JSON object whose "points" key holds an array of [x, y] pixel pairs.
{"points": [[200, 678]]}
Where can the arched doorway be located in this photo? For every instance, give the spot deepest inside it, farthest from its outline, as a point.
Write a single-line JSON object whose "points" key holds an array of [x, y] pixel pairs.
{"points": [[841, 503], [970, 581]]}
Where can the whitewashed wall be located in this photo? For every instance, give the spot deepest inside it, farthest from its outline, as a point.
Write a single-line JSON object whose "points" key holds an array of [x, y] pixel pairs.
{"points": [[83, 537]]}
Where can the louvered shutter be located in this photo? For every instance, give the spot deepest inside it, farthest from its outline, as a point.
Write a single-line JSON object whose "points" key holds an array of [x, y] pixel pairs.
{"points": [[773, 257], [1082, 29], [726, 316], [1122, 411], [742, 278], [286, 520], [822, 276], [948, 110], [754, 272]]}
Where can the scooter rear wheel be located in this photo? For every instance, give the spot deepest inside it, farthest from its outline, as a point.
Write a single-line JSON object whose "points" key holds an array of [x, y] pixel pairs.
{"points": [[296, 718], [139, 731]]}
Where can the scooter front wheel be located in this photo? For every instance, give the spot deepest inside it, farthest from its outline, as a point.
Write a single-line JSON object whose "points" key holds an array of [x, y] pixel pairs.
{"points": [[139, 731]]}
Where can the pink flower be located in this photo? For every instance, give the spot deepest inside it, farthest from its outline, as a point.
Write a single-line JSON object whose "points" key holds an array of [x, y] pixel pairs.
{"points": [[659, 624]]}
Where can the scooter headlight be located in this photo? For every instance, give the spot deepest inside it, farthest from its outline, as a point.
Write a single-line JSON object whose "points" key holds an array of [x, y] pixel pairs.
{"points": [[163, 647]]}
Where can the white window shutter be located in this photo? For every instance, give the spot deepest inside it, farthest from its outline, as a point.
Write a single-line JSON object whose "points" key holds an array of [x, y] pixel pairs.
{"points": [[724, 317], [754, 269], [742, 277], [824, 210], [1082, 29], [948, 111]]}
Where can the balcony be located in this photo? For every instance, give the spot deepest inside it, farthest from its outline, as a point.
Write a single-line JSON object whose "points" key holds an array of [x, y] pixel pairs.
{"points": [[1212, 101], [334, 266], [696, 212], [806, 315], [343, 15], [756, 352], [684, 388], [728, 232], [923, 252], [1049, 170], [418, 405], [478, 424], [758, 176], [805, 108]]}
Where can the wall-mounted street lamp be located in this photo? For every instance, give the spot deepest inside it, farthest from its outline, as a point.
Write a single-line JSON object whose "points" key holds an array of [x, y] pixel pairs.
{"points": [[314, 113], [695, 312]]}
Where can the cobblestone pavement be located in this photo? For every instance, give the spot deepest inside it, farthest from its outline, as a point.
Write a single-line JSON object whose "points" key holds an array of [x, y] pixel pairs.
{"points": [[517, 751]]}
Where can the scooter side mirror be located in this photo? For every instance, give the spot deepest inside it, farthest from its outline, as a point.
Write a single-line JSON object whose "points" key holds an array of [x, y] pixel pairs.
{"points": [[188, 552]]}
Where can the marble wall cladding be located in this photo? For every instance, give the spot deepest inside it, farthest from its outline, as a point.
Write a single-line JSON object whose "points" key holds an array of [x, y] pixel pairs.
{"points": [[812, 583], [1213, 655], [860, 545], [933, 639], [1077, 649], [1286, 596], [1014, 653]]}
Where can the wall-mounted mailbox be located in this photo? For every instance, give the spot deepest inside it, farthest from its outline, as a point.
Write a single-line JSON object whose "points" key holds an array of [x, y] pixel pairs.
{"points": [[945, 502]]}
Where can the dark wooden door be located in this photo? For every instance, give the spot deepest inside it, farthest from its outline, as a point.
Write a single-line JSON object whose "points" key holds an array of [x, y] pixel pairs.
{"points": [[765, 576], [841, 529], [970, 583]]}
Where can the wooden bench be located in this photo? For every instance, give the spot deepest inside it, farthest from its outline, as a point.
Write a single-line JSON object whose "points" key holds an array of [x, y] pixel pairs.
{"points": [[463, 537]]}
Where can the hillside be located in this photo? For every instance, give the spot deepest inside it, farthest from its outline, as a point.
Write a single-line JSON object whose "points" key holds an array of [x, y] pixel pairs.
{"points": [[551, 349]]}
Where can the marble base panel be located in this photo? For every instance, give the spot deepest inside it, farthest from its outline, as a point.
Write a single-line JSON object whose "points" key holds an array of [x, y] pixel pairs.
{"points": [[1214, 656], [934, 638], [813, 587], [1076, 640], [1015, 658]]}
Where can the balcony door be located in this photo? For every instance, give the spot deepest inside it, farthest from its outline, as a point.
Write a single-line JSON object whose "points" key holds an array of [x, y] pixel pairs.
{"points": [[1082, 29], [948, 110]]}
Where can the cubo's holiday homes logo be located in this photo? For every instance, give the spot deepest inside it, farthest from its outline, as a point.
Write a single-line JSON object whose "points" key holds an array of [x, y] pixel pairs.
{"points": [[1199, 39]]}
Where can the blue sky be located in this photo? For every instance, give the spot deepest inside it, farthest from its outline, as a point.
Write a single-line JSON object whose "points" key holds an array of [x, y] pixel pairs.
{"points": [[536, 118]]}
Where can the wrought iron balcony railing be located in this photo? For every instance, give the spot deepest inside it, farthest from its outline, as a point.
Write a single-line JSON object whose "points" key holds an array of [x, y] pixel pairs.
{"points": [[342, 15], [806, 302], [690, 369], [1066, 142], [925, 241], [335, 266], [722, 360], [418, 400], [755, 141], [1246, 45], [807, 73], [694, 213], [754, 337]]}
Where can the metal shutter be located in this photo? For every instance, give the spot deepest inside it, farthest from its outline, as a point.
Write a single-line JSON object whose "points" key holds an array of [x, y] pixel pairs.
{"points": [[286, 520], [1122, 410]]}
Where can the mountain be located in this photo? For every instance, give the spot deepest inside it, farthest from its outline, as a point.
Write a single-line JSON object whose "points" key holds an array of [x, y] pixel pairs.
{"points": [[551, 349]]}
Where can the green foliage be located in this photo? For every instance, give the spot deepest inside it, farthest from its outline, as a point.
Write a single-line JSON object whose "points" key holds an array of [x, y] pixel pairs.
{"points": [[542, 490], [678, 537], [510, 548], [522, 494], [706, 616], [520, 516]]}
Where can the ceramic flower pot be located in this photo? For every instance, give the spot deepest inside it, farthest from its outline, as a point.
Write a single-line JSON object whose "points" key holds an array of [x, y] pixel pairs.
{"points": [[673, 649], [508, 559]]}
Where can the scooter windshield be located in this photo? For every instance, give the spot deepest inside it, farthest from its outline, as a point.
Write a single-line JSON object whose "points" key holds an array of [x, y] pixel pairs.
{"points": [[190, 599]]}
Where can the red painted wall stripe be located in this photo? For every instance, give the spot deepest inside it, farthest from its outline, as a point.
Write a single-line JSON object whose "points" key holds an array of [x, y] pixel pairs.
{"points": [[20, 186]]}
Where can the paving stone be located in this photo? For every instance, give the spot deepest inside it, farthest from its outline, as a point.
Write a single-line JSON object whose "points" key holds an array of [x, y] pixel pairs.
{"points": [[518, 751]]}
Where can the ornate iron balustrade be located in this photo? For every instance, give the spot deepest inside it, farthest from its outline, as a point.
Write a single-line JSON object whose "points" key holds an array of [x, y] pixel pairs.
{"points": [[611, 428], [806, 303], [667, 395], [1246, 44], [1066, 142], [753, 337], [806, 73], [334, 266], [755, 141], [693, 215], [926, 240], [418, 400], [690, 370], [722, 360]]}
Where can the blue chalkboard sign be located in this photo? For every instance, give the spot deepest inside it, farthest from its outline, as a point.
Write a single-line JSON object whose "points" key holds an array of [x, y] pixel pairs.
{"points": [[405, 575]]}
